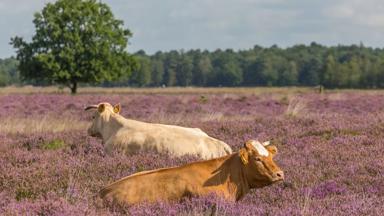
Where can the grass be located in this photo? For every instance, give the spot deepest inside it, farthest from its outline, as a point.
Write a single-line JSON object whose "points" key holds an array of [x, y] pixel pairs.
{"points": [[47, 124], [296, 106], [53, 145], [157, 90]]}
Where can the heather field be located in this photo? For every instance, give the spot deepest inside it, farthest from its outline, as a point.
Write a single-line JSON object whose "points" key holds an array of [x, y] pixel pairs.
{"points": [[330, 147]]}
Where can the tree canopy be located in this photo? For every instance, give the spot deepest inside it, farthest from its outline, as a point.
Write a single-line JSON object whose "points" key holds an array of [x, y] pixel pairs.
{"points": [[354, 66], [8, 71], [76, 41]]}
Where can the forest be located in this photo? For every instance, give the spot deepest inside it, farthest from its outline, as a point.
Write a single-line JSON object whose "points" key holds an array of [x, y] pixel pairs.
{"points": [[352, 66]]}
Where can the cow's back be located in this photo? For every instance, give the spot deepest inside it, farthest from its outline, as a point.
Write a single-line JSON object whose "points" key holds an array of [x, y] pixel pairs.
{"points": [[160, 185], [176, 140]]}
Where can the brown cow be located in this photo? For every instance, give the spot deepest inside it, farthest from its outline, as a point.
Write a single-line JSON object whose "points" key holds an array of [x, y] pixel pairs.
{"points": [[231, 176]]}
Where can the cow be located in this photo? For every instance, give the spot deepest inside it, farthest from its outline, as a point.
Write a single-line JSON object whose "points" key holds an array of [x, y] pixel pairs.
{"points": [[130, 136], [230, 177]]}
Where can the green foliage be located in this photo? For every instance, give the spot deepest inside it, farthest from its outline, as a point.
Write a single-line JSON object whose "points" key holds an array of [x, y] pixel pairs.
{"points": [[141, 76], [202, 68], [226, 69], [53, 145], [8, 72], [170, 65], [314, 65], [203, 99], [184, 71], [157, 71], [75, 41], [23, 193]]}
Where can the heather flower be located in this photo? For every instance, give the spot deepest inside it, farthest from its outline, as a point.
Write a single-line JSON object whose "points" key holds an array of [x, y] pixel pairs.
{"points": [[331, 153]]}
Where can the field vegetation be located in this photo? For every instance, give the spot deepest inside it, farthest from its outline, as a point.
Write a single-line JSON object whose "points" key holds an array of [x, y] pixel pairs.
{"points": [[330, 147]]}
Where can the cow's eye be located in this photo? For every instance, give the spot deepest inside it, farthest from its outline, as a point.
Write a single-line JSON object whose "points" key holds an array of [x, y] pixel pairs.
{"points": [[257, 159]]}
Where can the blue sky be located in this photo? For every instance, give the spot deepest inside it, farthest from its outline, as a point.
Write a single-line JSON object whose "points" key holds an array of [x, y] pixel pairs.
{"points": [[211, 24]]}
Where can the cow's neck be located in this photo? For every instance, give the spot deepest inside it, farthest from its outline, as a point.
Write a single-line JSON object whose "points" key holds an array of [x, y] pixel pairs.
{"points": [[111, 126], [238, 180], [229, 170]]}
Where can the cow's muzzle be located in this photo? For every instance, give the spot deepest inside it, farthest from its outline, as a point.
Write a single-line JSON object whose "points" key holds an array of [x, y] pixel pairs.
{"points": [[278, 176]]}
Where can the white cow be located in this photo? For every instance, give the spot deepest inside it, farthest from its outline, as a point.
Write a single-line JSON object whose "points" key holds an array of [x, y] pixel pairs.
{"points": [[130, 136]]}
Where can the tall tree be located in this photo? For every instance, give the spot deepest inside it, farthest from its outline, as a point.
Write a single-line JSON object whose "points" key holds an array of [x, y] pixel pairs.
{"points": [[75, 41], [309, 73], [184, 71], [226, 69], [353, 73], [141, 76], [288, 74], [157, 72], [8, 71], [201, 71], [170, 67], [330, 72]]}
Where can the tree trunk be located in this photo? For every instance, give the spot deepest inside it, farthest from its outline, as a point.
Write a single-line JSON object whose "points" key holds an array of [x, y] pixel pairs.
{"points": [[74, 88]]}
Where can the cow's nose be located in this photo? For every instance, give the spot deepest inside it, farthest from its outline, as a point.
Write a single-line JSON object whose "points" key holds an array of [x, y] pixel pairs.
{"points": [[279, 175]]}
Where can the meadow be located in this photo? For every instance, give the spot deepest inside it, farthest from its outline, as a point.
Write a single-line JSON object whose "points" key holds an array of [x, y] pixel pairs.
{"points": [[330, 148]]}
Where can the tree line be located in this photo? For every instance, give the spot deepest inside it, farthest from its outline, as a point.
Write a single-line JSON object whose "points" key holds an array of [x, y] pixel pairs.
{"points": [[353, 66]]}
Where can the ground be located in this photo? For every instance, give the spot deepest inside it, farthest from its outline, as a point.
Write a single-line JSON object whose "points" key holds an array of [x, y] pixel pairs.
{"points": [[330, 148]]}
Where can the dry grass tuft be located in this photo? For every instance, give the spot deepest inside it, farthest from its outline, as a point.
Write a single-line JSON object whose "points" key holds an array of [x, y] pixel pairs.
{"points": [[213, 116], [297, 106], [166, 118], [48, 124]]}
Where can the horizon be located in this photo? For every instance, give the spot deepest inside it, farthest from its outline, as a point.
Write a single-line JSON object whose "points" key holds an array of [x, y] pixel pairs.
{"points": [[244, 49], [211, 25]]}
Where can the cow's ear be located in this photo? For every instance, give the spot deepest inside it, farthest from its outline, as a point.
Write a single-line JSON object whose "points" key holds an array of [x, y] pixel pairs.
{"points": [[243, 153], [101, 108], [249, 144], [272, 149], [117, 108]]}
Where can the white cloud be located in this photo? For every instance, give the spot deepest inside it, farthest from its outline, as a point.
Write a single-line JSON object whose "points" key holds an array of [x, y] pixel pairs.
{"points": [[177, 24], [360, 12]]}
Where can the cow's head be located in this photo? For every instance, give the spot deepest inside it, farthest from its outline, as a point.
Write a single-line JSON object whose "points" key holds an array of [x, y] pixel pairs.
{"points": [[259, 167], [101, 115]]}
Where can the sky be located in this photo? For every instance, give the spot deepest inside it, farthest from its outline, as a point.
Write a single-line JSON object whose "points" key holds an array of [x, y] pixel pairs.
{"points": [[163, 25]]}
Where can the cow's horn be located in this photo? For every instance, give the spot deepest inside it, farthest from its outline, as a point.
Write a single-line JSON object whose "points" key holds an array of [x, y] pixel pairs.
{"points": [[266, 143], [90, 107]]}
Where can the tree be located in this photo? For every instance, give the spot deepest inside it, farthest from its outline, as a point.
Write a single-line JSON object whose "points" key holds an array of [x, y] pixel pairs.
{"points": [[170, 66], [378, 72], [202, 69], [157, 72], [310, 72], [75, 41], [353, 73], [184, 71], [8, 71], [288, 74], [330, 72], [226, 70], [263, 71], [141, 76]]}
